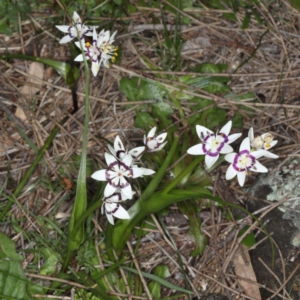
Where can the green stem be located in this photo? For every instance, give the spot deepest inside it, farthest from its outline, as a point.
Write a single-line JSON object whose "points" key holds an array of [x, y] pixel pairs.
{"points": [[186, 171], [31, 169], [75, 238]]}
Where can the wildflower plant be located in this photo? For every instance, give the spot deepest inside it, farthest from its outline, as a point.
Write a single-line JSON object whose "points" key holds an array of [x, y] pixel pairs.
{"points": [[167, 169], [100, 50]]}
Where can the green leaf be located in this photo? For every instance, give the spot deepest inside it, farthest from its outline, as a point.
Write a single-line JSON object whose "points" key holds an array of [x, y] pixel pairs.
{"points": [[144, 120], [163, 272], [210, 84], [189, 209], [162, 109], [51, 261], [215, 117], [3, 23], [129, 87], [256, 15], [158, 279], [249, 239], [246, 20], [12, 278], [295, 4], [208, 68], [138, 89], [69, 74]]}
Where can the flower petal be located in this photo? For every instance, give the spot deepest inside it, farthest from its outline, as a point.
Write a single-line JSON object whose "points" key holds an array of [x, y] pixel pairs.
{"points": [[251, 134], [226, 149], [76, 17], [127, 160], [241, 176], [95, 68], [126, 188], [138, 172], [151, 133], [210, 160], [147, 171], [226, 128], [121, 213], [112, 150], [109, 189], [258, 167], [230, 157], [110, 159], [63, 28], [66, 39], [79, 58], [245, 145], [110, 218], [231, 172], [118, 145], [136, 152], [196, 150], [203, 131], [233, 137], [160, 138], [99, 175], [112, 37]]}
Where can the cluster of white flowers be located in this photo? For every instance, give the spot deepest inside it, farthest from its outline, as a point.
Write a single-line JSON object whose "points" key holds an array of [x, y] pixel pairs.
{"points": [[251, 149], [100, 50], [121, 166]]}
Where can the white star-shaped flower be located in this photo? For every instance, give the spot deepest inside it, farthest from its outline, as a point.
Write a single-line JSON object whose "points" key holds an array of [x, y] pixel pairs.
{"points": [[100, 51], [245, 161], [76, 30], [119, 150], [111, 206], [117, 173], [262, 142], [154, 143], [213, 144]]}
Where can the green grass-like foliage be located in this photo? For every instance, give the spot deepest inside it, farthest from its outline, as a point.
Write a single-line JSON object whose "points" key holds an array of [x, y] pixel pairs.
{"points": [[12, 278]]}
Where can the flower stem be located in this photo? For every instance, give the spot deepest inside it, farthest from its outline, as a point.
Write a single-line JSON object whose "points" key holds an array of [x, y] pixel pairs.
{"points": [[186, 171]]}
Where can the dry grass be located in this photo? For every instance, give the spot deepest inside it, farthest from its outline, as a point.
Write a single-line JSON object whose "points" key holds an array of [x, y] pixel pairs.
{"points": [[272, 74]]}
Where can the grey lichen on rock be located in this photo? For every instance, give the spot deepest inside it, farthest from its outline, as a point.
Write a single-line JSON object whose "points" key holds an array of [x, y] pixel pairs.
{"points": [[285, 184]]}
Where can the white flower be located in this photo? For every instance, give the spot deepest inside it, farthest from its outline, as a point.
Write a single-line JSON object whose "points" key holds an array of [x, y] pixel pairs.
{"points": [[265, 141], [244, 161], [119, 151], [100, 51], [108, 51], [111, 206], [154, 143], [117, 173], [76, 30], [213, 144]]}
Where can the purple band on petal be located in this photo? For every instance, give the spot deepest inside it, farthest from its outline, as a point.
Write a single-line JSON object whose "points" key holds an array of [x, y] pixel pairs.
{"points": [[127, 169], [106, 199], [245, 152], [118, 153], [210, 153], [110, 182], [236, 160], [110, 166], [207, 137], [110, 212], [69, 30], [225, 137], [123, 186]]}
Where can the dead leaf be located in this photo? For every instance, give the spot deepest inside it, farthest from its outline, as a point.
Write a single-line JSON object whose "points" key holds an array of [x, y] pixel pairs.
{"points": [[245, 270], [36, 74]]}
